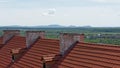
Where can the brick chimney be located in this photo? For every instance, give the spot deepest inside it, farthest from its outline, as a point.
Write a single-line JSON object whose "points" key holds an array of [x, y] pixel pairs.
{"points": [[8, 34], [32, 36], [67, 40]]}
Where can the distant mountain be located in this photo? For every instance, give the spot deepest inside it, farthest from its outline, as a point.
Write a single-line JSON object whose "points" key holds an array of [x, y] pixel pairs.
{"points": [[71, 26], [55, 26], [87, 26], [44, 26]]}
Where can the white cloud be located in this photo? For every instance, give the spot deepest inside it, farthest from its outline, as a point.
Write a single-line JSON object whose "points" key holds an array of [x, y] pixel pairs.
{"points": [[49, 12], [80, 16]]}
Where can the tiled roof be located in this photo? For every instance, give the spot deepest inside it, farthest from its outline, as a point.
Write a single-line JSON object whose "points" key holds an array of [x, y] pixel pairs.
{"points": [[87, 55], [1, 38], [5, 56], [32, 58], [80, 55]]}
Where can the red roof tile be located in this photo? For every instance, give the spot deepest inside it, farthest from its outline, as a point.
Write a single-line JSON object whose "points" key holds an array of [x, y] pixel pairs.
{"points": [[5, 56], [82, 55], [91, 55], [1, 38], [32, 58]]}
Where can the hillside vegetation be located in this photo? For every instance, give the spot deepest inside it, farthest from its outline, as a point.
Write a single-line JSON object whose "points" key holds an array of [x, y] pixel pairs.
{"points": [[94, 35]]}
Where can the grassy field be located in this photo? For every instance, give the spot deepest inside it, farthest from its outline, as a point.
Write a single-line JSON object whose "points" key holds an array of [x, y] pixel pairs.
{"points": [[104, 40], [54, 33]]}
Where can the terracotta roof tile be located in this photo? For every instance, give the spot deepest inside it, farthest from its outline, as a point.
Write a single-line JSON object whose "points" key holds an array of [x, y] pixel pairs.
{"points": [[5, 56], [1, 40], [82, 55], [32, 58], [1, 45], [91, 55]]}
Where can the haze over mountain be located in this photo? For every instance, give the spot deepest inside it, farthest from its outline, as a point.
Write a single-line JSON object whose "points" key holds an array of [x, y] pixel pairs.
{"points": [[47, 26]]}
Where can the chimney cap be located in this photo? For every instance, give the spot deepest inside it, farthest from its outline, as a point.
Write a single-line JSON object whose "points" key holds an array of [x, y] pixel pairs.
{"points": [[16, 50], [47, 58]]}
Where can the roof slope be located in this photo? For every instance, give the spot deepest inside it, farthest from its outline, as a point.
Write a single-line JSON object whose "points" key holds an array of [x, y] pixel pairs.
{"points": [[91, 55], [32, 58], [5, 56], [1, 38]]}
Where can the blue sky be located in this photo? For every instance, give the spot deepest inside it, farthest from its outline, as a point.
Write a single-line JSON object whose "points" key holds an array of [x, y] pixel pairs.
{"points": [[98, 13]]}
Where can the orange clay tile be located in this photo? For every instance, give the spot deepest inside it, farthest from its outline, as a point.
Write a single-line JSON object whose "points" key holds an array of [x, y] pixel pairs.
{"points": [[89, 55], [5, 56], [32, 58], [82, 55], [1, 40]]}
